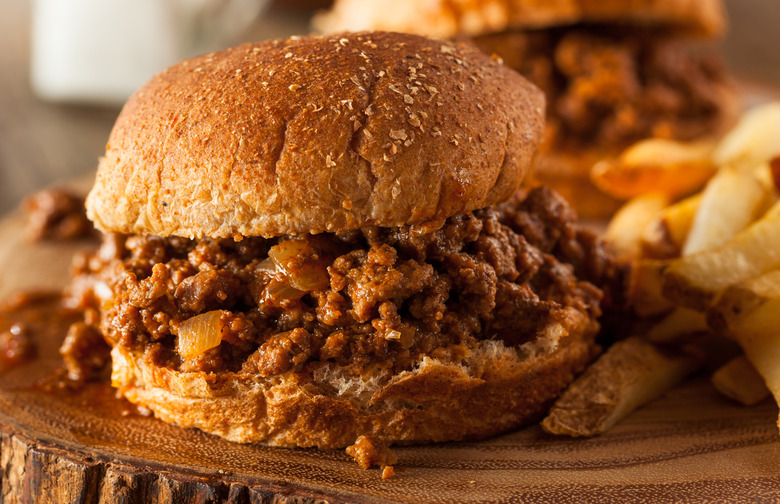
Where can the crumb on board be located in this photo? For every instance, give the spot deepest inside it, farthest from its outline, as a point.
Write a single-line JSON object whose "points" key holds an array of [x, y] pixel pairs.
{"points": [[369, 451]]}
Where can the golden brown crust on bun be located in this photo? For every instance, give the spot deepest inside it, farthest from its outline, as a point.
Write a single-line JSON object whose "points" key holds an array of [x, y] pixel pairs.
{"points": [[329, 408], [308, 135], [449, 18]]}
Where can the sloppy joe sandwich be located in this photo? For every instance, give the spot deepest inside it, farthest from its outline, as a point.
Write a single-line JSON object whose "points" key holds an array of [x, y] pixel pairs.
{"points": [[613, 72], [314, 239]]}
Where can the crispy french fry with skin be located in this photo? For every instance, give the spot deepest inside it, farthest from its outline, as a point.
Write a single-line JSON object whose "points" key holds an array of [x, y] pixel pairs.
{"points": [[664, 152], [679, 322], [646, 288], [665, 235], [750, 311], [731, 200], [742, 298], [631, 373], [774, 169], [656, 165], [726, 276], [739, 380], [763, 173], [754, 140], [624, 232], [758, 335], [697, 280]]}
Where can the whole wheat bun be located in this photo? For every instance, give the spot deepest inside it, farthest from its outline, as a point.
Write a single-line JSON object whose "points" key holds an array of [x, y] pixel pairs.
{"points": [[490, 389], [311, 134], [450, 18]]}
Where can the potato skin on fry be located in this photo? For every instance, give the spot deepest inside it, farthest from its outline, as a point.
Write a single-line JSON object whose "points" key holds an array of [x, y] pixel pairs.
{"points": [[757, 334], [624, 232], [697, 280], [631, 373], [670, 167], [739, 380], [665, 236], [645, 290], [739, 299]]}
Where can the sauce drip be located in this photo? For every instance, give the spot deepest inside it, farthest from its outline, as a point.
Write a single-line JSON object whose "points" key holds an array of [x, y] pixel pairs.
{"points": [[32, 327]]}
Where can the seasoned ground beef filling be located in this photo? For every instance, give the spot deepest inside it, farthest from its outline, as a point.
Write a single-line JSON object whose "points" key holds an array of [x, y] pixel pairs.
{"points": [[376, 295], [611, 86], [56, 214]]}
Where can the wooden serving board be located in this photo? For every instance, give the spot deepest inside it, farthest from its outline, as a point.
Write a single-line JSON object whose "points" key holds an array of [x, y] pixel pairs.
{"points": [[690, 446]]}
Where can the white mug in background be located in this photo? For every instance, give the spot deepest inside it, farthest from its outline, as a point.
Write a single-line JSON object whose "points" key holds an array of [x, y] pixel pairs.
{"points": [[100, 51]]}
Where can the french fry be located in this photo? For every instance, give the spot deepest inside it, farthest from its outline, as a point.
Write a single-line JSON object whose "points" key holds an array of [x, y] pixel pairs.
{"points": [[774, 170], [631, 373], [739, 380], [707, 264], [764, 174], [757, 333], [730, 201], [624, 232], [754, 140], [697, 280], [742, 298], [679, 322], [645, 289], [664, 236], [670, 167]]}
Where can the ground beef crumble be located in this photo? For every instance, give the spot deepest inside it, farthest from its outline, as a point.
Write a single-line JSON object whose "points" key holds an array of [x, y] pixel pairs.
{"points": [[610, 86], [57, 215], [375, 294], [368, 451]]}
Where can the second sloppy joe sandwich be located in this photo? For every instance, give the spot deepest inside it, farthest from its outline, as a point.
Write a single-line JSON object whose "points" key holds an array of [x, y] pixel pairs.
{"points": [[313, 239], [614, 72]]}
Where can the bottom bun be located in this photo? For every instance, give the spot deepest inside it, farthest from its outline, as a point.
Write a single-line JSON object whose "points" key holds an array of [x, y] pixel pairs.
{"points": [[491, 388]]}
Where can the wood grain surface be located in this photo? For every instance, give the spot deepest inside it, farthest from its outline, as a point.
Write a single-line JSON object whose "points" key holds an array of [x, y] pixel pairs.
{"points": [[690, 446]]}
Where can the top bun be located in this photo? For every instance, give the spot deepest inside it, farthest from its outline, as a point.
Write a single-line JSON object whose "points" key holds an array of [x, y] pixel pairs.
{"points": [[316, 134], [449, 18]]}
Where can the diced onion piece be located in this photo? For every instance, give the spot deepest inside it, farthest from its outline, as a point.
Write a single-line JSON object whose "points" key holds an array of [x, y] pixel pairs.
{"points": [[301, 264], [286, 250], [268, 265], [200, 333], [310, 277], [281, 291]]}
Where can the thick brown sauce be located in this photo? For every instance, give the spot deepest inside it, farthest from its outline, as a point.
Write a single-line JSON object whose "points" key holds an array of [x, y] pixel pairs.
{"points": [[23, 319], [31, 320]]}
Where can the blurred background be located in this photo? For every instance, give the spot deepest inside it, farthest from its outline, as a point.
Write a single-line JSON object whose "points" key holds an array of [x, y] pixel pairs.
{"points": [[56, 110]]}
